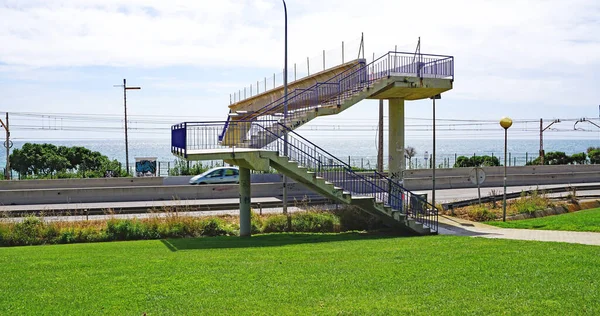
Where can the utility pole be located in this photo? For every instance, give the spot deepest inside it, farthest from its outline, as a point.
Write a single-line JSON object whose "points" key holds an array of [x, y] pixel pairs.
{"points": [[541, 142], [380, 139], [542, 129], [8, 146], [125, 88]]}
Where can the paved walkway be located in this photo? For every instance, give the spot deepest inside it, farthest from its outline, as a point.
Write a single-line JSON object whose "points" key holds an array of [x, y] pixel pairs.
{"points": [[461, 227]]}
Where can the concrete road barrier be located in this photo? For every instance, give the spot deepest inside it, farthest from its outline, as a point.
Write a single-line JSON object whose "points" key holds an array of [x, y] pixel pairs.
{"points": [[78, 183], [144, 193], [458, 178], [116, 182]]}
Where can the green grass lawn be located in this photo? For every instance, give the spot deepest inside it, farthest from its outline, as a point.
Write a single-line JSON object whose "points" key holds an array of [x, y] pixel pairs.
{"points": [[302, 274], [583, 221]]}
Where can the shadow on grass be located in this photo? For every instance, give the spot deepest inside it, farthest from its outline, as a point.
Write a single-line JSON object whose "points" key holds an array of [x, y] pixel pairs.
{"points": [[269, 240]]}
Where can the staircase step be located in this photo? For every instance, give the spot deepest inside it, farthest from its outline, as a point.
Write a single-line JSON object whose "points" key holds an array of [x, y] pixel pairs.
{"points": [[362, 197]]}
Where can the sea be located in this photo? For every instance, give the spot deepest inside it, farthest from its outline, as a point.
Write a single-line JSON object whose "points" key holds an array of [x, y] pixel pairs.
{"points": [[359, 152]]}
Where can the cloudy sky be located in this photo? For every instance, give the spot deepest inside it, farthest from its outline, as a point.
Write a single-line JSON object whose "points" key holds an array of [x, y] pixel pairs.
{"points": [[524, 59]]}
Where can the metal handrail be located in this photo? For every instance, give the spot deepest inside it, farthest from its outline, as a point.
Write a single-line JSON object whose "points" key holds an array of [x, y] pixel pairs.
{"points": [[312, 156], [265, 110], [392, 182]]}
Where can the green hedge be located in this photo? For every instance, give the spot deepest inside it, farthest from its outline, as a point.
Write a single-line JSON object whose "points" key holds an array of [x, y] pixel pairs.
{"points": [[34, 231]]}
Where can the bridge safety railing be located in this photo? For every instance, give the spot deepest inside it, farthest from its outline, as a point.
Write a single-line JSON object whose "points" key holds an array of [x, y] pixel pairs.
{"points": [[348, 83]]}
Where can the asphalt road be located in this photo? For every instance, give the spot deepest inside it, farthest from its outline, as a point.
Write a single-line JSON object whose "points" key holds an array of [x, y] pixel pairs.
{"points": [[231, 205]]}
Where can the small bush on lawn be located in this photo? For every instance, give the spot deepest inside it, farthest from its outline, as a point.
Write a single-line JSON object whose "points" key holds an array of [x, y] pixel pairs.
{"points": [[315, 223], [530, 203], [256, 223], [275, 224], [215, 227], [481, 214], [309, 222], [28, 232], [353, 218]]}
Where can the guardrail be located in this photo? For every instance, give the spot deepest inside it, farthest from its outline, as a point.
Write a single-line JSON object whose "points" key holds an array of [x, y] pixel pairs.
{"points": [[343, 85]]}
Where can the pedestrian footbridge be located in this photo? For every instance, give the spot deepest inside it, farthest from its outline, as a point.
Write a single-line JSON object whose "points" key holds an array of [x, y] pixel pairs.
{"points": [[259, 134]]}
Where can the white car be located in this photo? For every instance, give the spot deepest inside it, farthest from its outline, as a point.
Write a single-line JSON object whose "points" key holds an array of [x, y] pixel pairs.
{"points": [[218, 176]]}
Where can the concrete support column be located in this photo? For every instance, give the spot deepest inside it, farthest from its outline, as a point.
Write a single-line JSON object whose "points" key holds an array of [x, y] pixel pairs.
{"points": [[245, 200], [396, 160]]}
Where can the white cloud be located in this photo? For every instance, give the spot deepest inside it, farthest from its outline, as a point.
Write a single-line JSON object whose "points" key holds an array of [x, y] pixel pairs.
{"points": [[241, 33], [541, 52]]}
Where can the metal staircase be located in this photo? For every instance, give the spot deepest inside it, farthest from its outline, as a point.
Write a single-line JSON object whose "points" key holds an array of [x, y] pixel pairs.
{"points": [[269, 134], [309, 164]]}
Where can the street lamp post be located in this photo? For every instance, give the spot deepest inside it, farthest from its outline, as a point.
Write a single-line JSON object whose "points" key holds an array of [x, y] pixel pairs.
{"points": [[505, 122], [285, 110], [125, 88]]}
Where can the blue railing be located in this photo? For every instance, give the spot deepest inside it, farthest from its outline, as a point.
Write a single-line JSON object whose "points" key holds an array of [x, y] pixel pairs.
{"points": [[198, 136], [347, 83], [178, 139], [225, 127]]}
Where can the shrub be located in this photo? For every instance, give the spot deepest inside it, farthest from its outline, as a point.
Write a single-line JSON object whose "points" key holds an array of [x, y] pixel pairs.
{"points": [[353, 218], [530, 203], [309, 222], [315, 222], [256, 223], [481, 214], [120, 229], [27, 232], [275, 224], [215, 227], [33, 231]]}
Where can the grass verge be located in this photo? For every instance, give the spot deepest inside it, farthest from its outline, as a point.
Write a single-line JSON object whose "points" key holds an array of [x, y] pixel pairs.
{"points": [[584, 221], [290, 274]]}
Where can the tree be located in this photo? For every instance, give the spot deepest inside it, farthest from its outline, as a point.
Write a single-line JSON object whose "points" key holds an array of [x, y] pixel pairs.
{"points": [[476, 161], [43, 160], [594, 154], [410, 152], [462, 162], [580, 158], [560, 158], [557, 158]]}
